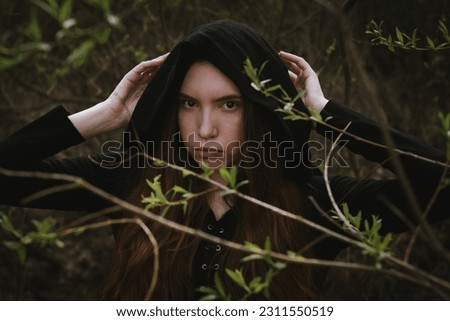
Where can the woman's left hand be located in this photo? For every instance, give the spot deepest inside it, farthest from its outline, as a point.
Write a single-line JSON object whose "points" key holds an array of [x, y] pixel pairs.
{"points": [[304, 78]]}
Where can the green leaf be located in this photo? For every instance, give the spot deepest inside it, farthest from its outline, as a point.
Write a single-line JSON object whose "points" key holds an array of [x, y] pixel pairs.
{"points": [[209, 297], [18, 248], [386, 241], [101, 37], [279, 265], [185, 207], [399, 35], [244, 182], [227, 176], [210, 293], [207, 172], [6, 224], [227, 192], [267, 244], [12, 245], [65, 11], [251, 245], [51, 7], [80, 230], [443, 28], [79, 56], [179, 189], [219, 285], [33, 29], [295, 255], [43, 226], [157, 191], [252, 257], [105, 5], [430, 43], [27, 239], [414, 38], [238, 278], [6, 63], [255, 283]]}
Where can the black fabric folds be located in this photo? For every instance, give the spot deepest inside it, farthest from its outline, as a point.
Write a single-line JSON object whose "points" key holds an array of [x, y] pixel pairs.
{"points": [[225, 44]]}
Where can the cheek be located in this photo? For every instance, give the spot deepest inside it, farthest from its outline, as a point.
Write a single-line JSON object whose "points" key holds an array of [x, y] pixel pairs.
{"points": [[185, 125], [239, 128], [235, 134]]}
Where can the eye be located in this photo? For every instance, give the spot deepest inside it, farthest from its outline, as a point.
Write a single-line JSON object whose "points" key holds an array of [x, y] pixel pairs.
{"points": [[230, 105], [186, 103]]}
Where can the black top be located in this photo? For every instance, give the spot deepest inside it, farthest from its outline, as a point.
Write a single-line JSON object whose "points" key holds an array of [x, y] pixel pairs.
{"points": [[32, 148]]}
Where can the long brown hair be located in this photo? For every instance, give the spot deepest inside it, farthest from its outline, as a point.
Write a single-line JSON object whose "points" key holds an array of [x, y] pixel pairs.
{"points": [[133, 258]]}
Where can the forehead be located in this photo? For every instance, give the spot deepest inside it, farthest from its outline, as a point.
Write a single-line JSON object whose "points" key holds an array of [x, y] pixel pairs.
{"points": [[203, 76]]}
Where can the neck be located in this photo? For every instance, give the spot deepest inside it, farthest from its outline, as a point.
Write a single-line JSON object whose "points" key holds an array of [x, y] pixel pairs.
{"points": [[215, 200]]}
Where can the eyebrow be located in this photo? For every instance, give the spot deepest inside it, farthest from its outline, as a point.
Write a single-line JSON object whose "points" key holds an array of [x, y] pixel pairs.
{"points": [[222, 98]]}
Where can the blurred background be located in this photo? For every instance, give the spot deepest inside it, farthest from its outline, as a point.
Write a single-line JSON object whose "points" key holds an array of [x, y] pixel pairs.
{"points": [[73, 53]]}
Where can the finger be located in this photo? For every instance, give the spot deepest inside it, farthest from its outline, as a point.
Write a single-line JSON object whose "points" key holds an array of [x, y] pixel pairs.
{"points": [[154, 61], [297, 60], [296, 81], [292, 76], [295, 69], [149, 66]]}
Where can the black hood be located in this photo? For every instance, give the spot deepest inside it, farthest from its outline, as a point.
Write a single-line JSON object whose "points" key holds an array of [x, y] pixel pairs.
{"points": [[225, 44]]}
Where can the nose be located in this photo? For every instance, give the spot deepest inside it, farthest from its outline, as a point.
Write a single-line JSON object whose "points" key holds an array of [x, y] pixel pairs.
{"points": [[207, 127]]}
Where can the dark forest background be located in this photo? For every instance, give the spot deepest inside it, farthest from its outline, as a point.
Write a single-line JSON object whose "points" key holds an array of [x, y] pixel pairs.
{"points": [[73, 52]]}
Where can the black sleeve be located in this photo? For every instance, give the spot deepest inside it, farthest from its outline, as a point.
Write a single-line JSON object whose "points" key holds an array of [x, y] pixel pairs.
{"points": [[384, 198], [31, 149]]}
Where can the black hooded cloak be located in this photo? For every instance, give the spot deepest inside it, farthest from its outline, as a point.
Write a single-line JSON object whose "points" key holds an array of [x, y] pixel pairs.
{"points": [[226, 45]]}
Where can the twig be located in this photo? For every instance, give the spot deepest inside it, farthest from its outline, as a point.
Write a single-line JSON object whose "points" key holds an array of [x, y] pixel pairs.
{"points": [[336, 208], [428, 280], [138, 221], [374, 101], [425, 214]]}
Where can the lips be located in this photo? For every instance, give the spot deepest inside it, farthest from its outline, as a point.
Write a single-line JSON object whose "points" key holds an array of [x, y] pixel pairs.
{"points": [[208, 152]]}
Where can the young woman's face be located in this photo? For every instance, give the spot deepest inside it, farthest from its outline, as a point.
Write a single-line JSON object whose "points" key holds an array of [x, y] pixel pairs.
{"points": [[210, 116]]}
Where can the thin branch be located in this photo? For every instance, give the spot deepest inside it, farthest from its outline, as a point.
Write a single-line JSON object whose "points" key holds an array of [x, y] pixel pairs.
{"points": [[44, 94], [427, 281], [138, 221], [373, 100], [387, 147], [49, 191], [94, 215], [336, 208], [425, 214]]}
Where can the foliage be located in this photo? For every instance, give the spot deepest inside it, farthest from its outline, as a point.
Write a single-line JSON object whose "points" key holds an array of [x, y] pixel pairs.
{"points": [[369, 233], [74, 52], [158, 198], [444, 127], [406, 41], [256, 285], [69, 35], [43, 235], [279, 94]]}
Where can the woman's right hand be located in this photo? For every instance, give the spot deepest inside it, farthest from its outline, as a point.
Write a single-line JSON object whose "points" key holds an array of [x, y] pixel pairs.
{"points": [[115, 112], [125, 96]]}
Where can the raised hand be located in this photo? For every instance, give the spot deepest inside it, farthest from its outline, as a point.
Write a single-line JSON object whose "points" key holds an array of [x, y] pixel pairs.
{"points": [[115, 112], [304, 78], [123, 99]]}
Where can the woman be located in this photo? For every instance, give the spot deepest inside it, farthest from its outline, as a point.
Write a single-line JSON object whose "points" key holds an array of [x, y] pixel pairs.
{"points": [[200, 107]]}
